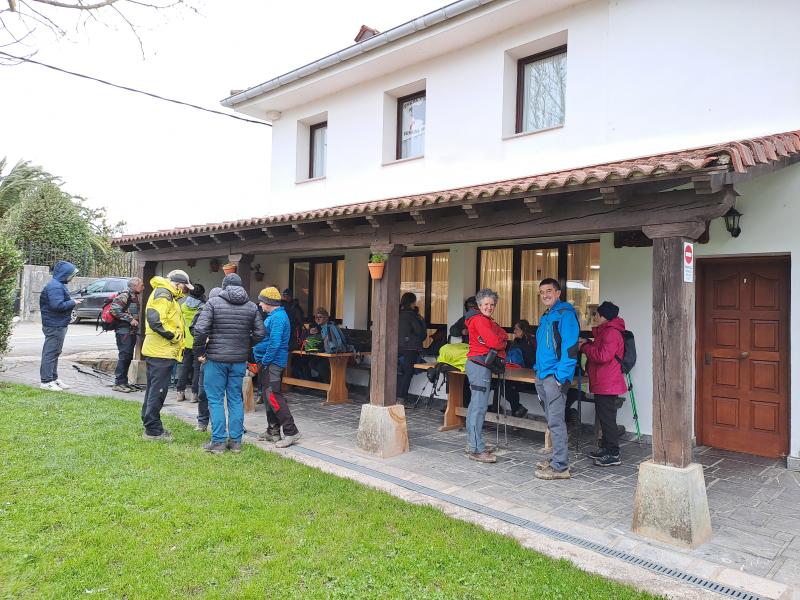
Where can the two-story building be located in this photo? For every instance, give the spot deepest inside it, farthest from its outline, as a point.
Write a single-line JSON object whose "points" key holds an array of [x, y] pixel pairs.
{"points": [[638, 151]]}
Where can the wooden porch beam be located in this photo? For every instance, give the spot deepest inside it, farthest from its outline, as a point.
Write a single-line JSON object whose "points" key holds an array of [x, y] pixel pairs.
{"points": [[215, 238], [473, 211], [268, 232], [193, 241], [240, 235], [418, 216], [334, 225], [299, 228]]}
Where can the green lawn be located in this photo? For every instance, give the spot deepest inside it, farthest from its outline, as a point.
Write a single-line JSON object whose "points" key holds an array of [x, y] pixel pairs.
{"points": [[89, 509]]}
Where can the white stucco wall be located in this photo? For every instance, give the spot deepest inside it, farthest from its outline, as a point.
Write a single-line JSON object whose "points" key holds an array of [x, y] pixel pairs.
{"points": [[643, 77]]}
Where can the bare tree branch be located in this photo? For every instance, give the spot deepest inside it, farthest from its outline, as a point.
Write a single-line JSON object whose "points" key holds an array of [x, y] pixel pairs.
{"points": [[80, 5]]}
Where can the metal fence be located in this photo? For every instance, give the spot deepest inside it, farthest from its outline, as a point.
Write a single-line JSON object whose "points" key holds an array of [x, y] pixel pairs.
{"points": [[111, 264]]}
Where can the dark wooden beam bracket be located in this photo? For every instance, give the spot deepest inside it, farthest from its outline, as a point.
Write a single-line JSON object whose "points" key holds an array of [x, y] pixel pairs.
{"points": [[418, 216], [334, 225]]}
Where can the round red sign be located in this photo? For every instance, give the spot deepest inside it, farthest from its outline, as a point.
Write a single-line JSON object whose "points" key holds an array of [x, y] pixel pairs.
{"points": [[688, 254]]}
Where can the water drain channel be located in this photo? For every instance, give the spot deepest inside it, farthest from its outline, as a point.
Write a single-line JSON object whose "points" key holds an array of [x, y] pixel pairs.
{"points": [[644, 563]]}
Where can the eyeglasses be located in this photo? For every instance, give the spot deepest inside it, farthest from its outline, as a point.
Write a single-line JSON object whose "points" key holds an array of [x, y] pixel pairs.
{"points": [[318, 317]]}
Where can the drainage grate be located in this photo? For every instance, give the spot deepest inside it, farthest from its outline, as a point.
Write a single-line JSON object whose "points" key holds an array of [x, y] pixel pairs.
{"points": [[644, 563]]}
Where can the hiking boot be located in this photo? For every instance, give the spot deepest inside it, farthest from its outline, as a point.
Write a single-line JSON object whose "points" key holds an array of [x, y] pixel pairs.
{"points": [[180, 396], [550, 473], [164, 436], [194, 399], [484, 457], [215, 447], [607, 460], [542, 464], [62, 385], [487, 448], [288, 440], [596, 453], [235, 447], [520, 412], [121, 387], [270, 436], [201, 428], [51, 386]]}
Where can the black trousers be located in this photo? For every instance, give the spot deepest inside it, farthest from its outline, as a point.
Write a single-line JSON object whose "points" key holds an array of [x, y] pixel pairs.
{"points": [[126, 342], [159, 373], [405, 370], [513, 388], [189, 372], [278, 413], [606, 409], [203, 416]]}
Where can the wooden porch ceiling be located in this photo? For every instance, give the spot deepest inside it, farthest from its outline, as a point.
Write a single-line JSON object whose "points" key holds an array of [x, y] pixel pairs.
{"points": [[692, 185]]}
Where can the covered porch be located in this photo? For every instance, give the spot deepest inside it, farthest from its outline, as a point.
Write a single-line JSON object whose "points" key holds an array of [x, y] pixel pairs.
{"points": [[662, 201]]}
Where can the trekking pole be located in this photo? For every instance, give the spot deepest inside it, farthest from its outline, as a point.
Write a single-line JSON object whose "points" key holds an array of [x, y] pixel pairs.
{"points": [[501, 395], [633, 407]]}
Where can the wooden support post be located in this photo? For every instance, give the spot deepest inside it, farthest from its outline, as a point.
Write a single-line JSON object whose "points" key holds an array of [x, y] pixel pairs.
{"points": [[671, 504], [243, 263], [385, 320], [137, 373]]}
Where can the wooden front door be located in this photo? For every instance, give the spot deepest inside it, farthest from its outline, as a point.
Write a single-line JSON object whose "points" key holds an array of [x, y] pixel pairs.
{"points": [[743, 337]]}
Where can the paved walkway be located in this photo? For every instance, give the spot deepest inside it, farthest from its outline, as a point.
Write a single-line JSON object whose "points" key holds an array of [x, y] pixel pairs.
{"points": [[755, 502]]}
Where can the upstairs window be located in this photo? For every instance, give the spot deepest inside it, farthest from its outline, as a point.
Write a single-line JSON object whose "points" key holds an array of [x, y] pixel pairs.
{"points": [[541, 90], [411, 125], [318, 151]]}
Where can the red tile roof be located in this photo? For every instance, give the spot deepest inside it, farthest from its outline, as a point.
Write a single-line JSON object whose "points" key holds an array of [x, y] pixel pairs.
{"points": [[736, 156]]}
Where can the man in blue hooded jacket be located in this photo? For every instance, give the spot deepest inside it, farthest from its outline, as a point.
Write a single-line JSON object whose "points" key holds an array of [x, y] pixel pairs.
{"points": [[56, 307], [556, 358]]}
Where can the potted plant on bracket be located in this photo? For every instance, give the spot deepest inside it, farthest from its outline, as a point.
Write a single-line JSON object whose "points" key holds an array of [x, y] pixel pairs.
{"points": [[377, 262]]}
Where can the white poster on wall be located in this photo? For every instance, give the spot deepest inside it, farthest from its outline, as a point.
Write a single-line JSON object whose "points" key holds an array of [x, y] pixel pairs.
{"points": [[688, 262]]}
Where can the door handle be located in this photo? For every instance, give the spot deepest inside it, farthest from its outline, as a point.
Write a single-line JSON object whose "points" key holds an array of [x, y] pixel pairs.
{"points": [[707, 358], [744, 355]]}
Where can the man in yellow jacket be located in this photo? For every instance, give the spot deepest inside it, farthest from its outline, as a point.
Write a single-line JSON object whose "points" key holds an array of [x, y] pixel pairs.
{"points": [[163, 347]]}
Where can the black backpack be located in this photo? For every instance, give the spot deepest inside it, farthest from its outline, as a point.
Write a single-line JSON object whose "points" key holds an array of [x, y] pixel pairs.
{"points": [[628, 360]]}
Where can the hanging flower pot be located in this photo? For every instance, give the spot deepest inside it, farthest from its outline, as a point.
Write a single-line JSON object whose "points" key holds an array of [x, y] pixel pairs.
{"points": [[377, 262], [259, 276], [213, 266]]}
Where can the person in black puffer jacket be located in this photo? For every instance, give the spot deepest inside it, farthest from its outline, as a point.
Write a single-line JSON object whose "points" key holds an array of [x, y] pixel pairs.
{"points": [[227, 327], [411, 332]]}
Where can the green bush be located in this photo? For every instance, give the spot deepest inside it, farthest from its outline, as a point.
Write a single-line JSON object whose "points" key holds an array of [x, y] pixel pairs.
{"points": [[47, 217], [10, 264]]}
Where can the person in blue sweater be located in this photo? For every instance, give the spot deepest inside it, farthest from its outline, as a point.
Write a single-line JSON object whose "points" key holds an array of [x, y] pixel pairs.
{"points": [[556, 358], [56, 306], [272, 353]]}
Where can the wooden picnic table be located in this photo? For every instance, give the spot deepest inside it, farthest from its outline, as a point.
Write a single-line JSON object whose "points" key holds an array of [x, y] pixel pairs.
{"points": [[337, 388], [455, 413]]}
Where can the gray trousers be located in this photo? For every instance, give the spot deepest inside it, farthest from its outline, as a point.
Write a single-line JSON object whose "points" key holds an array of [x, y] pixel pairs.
{"points": [[554, 399], [51, 350]]}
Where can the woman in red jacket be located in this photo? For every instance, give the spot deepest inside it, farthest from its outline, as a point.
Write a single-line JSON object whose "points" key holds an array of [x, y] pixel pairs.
{"points": [[484, 335], [606, 380]]}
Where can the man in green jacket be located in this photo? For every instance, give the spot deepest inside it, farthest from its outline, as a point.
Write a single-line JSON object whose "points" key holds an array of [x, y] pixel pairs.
{"points": [[190, 368]]}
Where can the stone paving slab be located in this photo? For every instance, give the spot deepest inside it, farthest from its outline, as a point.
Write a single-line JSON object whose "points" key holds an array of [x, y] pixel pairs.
{"points": [[754, 501]]}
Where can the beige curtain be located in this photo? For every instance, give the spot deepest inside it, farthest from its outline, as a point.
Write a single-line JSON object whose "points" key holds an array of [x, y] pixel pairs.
{"points": [[323, 280], [536, 265], [339, 289], [300, 284], [496, 273], [583, 279], [440, 268], [412, 279]]}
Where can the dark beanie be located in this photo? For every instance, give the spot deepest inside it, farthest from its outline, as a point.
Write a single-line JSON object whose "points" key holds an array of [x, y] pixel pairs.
{"points": [[608, 310], [231, 279]]}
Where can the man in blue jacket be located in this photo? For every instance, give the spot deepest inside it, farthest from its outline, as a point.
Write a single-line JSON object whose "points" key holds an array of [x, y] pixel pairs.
{"points": [[556, 358], [56, 307], [272, 353]]}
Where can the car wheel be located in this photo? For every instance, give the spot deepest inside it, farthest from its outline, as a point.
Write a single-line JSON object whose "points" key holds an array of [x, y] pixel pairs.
{"points": [[73, 317]]}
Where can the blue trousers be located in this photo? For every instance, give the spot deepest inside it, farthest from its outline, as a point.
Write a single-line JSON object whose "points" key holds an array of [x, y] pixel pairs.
{"points": [[51, 350], [220, 380], [480, 383]]}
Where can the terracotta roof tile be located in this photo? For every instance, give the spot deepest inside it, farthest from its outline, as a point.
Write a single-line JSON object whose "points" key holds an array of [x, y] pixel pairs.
{"points": [[737, 156]]}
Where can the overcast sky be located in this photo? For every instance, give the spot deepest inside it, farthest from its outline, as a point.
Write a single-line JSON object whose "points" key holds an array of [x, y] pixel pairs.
{"points": [[155, 165]]}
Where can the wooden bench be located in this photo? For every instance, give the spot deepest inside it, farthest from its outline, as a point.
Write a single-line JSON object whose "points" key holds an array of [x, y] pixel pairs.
{"points": [[455, 413], [337, 388]]}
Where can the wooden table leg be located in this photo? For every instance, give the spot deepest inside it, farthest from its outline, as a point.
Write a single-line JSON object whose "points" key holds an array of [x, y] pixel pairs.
{"points": [[337, 394], [455, 399], [287, 371]]}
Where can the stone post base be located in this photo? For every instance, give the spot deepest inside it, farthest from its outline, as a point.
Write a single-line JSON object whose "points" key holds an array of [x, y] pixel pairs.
{"points": [[138, 372], [382, 430], [671, 504]]}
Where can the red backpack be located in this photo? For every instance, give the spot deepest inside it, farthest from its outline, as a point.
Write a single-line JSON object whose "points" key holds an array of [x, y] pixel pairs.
{"points": [[107, 321]]}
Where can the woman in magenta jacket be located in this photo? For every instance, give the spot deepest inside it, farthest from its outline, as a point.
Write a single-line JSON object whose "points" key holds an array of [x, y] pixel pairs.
{"points": [[606, 380]]}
